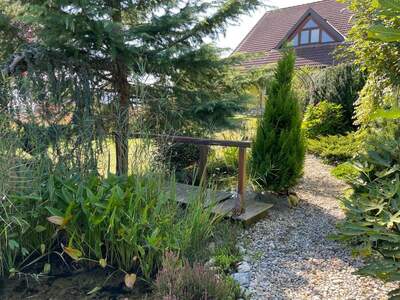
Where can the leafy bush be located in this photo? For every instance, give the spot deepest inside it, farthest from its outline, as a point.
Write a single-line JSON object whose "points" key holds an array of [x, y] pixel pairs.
{"points": [[341, 85], [178, 156], [324, 118], [180, 281], [336, 149], [124, 222], [372, 224], [226, 253], [346, 172], [278, 149]]}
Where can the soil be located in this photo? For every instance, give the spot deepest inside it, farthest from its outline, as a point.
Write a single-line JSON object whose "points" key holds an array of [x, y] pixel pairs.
{"points": [[71, 286]]}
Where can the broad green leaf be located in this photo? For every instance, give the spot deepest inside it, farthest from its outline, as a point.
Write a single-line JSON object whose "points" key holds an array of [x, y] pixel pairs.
{"points": [[387, 5], [382, 33], [378, 159], [54, 212], [386, 114], [40, 228], [13, 245]]}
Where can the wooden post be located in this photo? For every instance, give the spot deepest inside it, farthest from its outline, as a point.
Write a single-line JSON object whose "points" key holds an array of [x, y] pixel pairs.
{"points": [[239, 206], [202, 175]]}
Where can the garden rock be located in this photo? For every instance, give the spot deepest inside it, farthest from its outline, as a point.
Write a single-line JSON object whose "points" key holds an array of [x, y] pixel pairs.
{"points": [[244, 267], [243, 279]]}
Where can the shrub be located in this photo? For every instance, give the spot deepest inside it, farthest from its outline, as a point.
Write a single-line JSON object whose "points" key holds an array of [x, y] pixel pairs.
{"points": [[338, 84], [324, 118], [336, 149], [346, 172], [372, 223], [178, 157], [278, 149], [180, 281]]}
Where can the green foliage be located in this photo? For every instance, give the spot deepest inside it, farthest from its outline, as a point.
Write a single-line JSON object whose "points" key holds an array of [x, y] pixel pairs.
{"points": [[127, 221], [133, 54], [226, 254], [226, 262], [338, 84], [378, 59], [180, 280], [336, 148], [346, 172], [278, 149], [372, 224], [324, 118]]}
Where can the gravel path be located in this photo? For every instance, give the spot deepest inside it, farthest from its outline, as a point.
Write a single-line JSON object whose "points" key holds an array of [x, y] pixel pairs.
{"points": [[290, 256]]}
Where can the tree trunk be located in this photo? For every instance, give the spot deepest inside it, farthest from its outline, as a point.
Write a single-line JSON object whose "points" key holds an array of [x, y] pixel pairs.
{"points": [[122, 119], [121, 87]]}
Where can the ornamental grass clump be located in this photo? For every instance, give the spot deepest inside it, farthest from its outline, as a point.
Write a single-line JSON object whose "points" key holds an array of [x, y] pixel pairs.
{"points": [[278, 150]]}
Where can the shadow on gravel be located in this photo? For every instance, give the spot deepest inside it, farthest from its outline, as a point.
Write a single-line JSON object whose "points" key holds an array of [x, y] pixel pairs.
{"points": [[293, 242]]}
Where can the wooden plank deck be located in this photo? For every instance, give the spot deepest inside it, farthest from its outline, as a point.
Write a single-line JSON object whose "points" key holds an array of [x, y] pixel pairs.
{"points": [[254, 210], [225, 202], [185, 192]]}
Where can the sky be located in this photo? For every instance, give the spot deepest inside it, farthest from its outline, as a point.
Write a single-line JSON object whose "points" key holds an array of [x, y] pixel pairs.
{"points": [[235, 33]]}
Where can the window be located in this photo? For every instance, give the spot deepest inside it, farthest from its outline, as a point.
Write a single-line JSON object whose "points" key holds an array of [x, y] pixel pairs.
{"points": [[326, 38], [305, 37], [315, 35], [310, 24], [310, 34]]}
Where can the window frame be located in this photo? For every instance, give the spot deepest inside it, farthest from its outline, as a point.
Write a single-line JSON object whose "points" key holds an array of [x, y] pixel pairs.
{"points": [[298, 34]]}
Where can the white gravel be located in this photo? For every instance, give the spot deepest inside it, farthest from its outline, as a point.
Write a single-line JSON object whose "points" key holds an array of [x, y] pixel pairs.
{"points": [[290, 255]]}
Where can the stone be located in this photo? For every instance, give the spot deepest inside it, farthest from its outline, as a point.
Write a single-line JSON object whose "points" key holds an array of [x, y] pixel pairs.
{"points": [[243, 279], [211, 246], [242, 250], [210, 263], [244, 267]]}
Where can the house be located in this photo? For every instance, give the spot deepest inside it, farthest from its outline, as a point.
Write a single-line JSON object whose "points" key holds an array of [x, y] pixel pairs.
{"points": [[314, 30]]}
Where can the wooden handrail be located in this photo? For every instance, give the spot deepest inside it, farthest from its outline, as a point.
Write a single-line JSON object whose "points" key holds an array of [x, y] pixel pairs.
{"points": [[196, 141]]}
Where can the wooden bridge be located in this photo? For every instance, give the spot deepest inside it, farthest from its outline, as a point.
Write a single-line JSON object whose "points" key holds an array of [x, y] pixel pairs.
{"points": [[239, 206]]}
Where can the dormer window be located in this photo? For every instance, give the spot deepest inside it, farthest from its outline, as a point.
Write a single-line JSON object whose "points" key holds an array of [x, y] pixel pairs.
{"points": [[310, 33]]}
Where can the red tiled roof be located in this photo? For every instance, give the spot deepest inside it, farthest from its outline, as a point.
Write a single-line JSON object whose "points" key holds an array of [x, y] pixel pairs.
{"points": [[275, 25]]}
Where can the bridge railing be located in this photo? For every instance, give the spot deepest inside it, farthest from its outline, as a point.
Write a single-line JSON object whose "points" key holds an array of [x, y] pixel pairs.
{"points": [[204, 146]]}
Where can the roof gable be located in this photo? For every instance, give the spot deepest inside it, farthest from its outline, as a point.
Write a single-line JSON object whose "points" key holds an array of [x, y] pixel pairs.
{"points": [[275, 25], [311, 15]]}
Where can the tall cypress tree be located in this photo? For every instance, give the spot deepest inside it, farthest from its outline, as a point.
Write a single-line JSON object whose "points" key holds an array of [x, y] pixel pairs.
{"points": [[278, 150], [118, 41]]}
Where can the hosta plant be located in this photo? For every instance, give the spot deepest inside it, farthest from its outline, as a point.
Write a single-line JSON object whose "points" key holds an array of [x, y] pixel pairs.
{"points": [[372, 224]]}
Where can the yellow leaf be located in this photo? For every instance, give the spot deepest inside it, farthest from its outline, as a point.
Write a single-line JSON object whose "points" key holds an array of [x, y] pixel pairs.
{"points": [[103, 262], [130, 280], [73, 253], [42, 248], [56, 220], [46, 268]]}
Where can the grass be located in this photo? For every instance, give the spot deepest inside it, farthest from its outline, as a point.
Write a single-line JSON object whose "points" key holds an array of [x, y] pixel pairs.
{"points": [[141, 156]]}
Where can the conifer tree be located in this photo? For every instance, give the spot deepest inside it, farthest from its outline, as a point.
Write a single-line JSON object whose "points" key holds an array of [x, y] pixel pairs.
{"points": [[278, 150], [118, 41]]}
